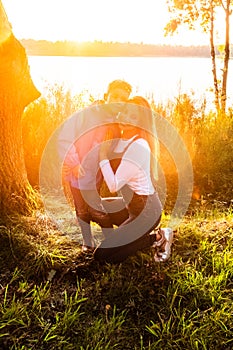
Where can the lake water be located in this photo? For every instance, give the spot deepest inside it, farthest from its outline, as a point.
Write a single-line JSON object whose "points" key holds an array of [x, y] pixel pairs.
{"points": [[161, 77]]}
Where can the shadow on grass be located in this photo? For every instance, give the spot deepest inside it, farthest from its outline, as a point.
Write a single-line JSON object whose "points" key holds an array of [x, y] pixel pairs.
{"points": [[55, 297]]}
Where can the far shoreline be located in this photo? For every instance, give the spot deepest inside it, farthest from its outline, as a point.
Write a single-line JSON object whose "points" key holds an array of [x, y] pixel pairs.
{"points": [[112, 49]]}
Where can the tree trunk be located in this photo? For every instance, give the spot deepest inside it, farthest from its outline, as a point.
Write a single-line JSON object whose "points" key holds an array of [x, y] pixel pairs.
{"points": [[213, 57], [16, 92], [226, 57]]}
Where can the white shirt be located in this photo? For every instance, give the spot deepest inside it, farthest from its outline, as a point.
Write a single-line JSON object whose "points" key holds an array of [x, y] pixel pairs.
{"points": [[134, 168]]}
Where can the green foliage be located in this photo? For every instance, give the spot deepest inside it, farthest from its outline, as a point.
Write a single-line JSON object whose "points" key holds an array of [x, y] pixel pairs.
{"points": [[76, 303], [212, 161], [54, 297], [193, 14], [209, 140], [202, 14]]}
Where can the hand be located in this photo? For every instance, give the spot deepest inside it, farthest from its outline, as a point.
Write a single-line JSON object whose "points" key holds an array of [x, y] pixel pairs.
{"points": [[66, 170]]}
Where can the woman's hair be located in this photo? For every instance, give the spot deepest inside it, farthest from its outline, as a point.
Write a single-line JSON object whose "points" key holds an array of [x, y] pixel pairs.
{"points": [[147, 130], [139, 100]]}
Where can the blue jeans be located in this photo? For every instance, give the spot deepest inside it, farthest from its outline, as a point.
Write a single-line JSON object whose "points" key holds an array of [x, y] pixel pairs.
{"points": [[144, 215]]}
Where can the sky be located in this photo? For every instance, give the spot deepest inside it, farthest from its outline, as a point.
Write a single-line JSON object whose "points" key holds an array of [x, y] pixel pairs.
{"points": [[88, 20]]}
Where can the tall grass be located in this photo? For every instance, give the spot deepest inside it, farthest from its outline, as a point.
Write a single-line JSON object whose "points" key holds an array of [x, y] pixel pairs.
{"points": [[41, 119], [207, 138]]}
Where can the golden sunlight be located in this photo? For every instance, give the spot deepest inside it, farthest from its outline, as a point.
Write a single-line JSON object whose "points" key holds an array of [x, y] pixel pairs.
{"points": [[90, 20]]}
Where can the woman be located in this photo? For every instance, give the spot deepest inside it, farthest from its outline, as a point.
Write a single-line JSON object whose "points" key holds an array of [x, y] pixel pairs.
{"points": [[135, 175]]}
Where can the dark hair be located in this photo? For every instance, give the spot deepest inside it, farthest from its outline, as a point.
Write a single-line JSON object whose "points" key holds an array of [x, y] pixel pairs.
{"points": [[119, 84]]}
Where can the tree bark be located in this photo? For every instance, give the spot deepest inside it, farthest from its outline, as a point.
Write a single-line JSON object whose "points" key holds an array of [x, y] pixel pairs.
{"points": [[16, 92], [226, 56], [213, 57]]}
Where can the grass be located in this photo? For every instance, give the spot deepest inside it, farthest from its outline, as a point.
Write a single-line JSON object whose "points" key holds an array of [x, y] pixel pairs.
{"points": [[52, 296]]}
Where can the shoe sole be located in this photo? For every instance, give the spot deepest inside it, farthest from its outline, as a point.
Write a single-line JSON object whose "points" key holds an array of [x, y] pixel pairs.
{"points": [[161, 256]]}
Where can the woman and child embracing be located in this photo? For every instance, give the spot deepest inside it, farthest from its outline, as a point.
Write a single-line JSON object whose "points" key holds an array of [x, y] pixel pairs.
{"points": [[114, 141]]}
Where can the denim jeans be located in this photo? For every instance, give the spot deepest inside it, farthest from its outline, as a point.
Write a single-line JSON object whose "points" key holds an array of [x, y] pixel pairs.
{"points": [[134, 233]]}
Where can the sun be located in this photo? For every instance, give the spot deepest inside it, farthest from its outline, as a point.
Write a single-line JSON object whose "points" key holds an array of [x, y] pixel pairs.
{"points": [[141, 21], [138, 21]]}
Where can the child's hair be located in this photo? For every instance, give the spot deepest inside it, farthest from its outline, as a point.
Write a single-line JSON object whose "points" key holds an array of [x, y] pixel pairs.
{"points": [[119, 84]]}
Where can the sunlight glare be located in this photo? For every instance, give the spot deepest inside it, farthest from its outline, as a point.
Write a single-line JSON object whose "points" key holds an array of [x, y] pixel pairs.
{"points": [[102, 20]]}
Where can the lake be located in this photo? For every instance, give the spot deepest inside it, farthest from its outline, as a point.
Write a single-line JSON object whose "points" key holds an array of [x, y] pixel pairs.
{"points": [[161, 77]]}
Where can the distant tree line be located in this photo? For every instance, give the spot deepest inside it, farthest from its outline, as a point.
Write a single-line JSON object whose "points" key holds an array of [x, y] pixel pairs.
{"points": [[99, 48]]}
